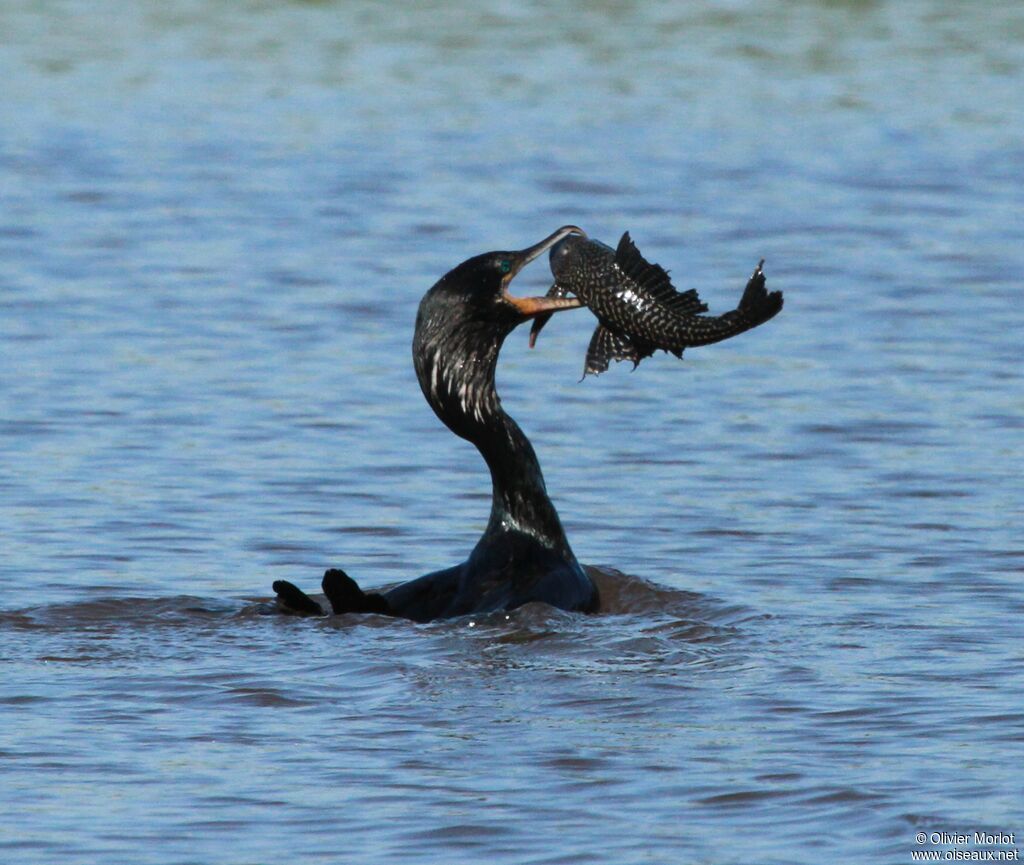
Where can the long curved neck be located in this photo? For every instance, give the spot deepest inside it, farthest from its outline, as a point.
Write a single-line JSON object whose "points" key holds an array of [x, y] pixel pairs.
{"points": [[519, 499], [457, 378]]}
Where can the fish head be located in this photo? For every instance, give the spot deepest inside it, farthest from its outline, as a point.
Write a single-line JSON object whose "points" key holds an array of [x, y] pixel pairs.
{"points": [[574, 256], [575, 261]]}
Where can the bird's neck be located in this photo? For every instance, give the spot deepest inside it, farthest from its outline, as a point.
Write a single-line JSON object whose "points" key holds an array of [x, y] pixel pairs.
{"points": [[519, 500], [462, 393]]}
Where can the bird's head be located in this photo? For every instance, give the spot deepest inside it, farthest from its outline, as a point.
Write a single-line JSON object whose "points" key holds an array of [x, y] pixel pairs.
{"points": [[464, 319], [477, 291]]}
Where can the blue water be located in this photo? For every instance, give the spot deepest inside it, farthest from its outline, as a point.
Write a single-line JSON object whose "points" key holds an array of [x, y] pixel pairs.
{"points": [[216, 222]]}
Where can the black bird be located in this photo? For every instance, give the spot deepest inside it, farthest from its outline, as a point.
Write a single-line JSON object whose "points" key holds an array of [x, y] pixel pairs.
{"points": [[638, 309], [523, 554]]}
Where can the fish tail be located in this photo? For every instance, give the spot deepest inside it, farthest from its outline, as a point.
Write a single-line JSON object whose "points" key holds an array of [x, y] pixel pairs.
{"points": [[756, 306]]}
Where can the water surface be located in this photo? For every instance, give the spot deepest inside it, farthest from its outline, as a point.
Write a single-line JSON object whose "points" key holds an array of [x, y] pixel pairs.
{"points": [[217, 220]]}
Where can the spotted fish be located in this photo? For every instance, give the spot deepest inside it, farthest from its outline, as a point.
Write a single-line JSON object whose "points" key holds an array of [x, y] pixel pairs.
{"points": [[637, 307]]}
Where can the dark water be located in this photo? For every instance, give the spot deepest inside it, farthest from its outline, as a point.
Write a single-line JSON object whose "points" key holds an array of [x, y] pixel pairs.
{"points": [[216, 221]]}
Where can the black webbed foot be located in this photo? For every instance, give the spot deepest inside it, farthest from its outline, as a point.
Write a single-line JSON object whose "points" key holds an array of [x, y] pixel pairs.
{"points": [[346, 597], [293, 600]]}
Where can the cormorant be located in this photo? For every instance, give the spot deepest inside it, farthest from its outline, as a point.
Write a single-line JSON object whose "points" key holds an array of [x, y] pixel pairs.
{"points": [[523, 555]]}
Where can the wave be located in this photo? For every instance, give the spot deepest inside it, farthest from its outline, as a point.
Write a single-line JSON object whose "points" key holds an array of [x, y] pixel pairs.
{"points": [[622, 595]]}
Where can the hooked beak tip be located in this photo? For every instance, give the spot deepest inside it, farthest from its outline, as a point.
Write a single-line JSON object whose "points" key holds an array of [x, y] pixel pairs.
{"points": [[532, 252], [532, 306]]}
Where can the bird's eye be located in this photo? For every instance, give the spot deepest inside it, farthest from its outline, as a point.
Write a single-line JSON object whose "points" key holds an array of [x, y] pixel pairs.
{"points": [[505, 265]]}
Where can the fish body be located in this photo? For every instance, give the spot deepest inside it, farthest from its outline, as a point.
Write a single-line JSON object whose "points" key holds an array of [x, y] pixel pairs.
{"points": [[637, 307]]}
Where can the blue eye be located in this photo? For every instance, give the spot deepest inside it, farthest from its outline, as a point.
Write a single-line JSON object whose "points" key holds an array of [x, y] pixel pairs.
{"points": [[505, 265]]}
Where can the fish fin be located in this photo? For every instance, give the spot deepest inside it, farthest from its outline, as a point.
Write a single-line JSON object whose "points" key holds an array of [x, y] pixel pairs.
{"points": [[655, 279], [558, 291], [687, 303], [607, 345]]}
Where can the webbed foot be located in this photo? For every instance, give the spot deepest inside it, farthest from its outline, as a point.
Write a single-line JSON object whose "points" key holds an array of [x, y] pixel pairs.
{"points": [[291, 599], [346, 596]]}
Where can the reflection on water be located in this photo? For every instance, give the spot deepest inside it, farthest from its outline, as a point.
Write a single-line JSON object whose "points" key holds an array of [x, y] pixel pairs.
{"points": [[217, 220]]}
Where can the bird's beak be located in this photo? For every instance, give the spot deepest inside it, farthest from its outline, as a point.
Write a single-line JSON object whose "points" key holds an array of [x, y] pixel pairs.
{"points": [[532, 306]]}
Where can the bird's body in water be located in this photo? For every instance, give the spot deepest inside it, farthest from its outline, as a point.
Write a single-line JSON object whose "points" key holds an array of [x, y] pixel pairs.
{"points": [[637, 307], [523, 555]]}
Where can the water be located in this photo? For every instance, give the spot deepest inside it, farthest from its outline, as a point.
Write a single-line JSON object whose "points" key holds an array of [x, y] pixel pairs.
{"points": [[217, 220]]}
